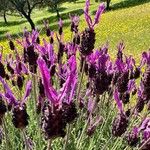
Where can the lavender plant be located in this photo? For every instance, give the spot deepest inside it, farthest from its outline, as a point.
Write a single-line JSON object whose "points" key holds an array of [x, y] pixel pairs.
{"points": [[78, 97]]}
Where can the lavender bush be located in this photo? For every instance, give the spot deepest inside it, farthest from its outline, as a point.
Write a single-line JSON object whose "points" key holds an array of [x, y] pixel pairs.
{"points": [[71, 95]]}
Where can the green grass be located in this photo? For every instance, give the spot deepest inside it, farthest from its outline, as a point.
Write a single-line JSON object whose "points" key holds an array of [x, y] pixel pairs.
{"points": [[128, 20]]}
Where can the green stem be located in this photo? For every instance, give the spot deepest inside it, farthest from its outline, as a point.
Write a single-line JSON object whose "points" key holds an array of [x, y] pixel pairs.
{"points": [[67, 136], [8, 144], [34, 90], [49, 144], [37, 117], [107, 143], [148, 140], [82, 133], [25, 139], [115, 144], [82, 73]]}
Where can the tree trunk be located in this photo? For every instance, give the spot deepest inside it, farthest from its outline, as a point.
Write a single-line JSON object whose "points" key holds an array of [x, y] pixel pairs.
{"points": [[4, 15], [57, 11], [28, 17], [31, 22], [108, 5]]}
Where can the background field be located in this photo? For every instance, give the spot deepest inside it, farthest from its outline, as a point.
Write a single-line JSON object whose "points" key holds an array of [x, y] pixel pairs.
{"points": [[128, 20]]}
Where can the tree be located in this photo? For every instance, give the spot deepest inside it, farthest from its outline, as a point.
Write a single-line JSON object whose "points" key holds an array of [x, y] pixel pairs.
{"points": [[4, 7], [54, 4], [108, 4], [25, 8]]}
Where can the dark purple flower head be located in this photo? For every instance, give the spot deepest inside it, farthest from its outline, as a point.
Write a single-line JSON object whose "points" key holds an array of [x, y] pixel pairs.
{"points": [[133, 137], [11, 43], [140, 101]]}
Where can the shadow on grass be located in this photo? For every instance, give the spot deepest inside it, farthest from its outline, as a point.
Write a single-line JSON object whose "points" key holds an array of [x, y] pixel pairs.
{"points": [[64, 16], [61, 9], [128, 3], [125, 4], [3, 34], [80, 2], [11, 23], [53, 27], [52, 19]]}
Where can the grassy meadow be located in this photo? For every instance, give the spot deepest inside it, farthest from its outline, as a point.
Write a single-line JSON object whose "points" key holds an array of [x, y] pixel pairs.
{"points": [[128, 20]]}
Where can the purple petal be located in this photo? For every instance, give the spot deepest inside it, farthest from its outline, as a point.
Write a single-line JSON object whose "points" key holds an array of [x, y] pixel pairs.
{"points": [[34, 36], [146, 133], [69, 86], [50, 92], [140, 90], [24, 68], [87, 5], [118, 101], [99, 13], [73, 89], [88, 20], [102, 61], [98, 120], [27, 92], [144, 124], [145, 58], [91, 105], [60, 23], [135, 130], [121, 46], [120, 65], [131, 85], [86, 13], [72, 63], [8, 93]]}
